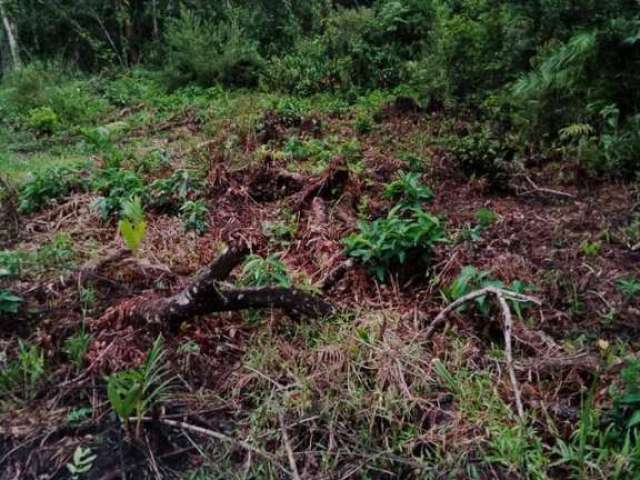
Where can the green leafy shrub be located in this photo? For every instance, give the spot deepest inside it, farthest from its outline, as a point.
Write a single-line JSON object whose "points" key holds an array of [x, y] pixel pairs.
{"points": [[57, 253], [485, 217], [481, 155], [43, 120], [409, 189], [116, 185], [194, 216], [210, 53], [50, 184], [101, 140], [171, 192], [385, 244], [38, 90]]}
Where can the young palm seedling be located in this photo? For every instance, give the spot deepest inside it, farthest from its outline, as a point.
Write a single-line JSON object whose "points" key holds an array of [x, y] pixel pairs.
{"points": [[135, 391]]}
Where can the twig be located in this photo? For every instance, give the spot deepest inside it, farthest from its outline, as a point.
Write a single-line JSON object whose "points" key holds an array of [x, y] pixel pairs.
{"points": [[536, 188], [510, 295], [507, 329], [287, 446], [507, 324], [218, 436]]}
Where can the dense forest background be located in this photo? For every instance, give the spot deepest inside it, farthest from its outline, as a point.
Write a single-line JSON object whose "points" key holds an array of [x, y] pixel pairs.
{"points": [[547, 69]]}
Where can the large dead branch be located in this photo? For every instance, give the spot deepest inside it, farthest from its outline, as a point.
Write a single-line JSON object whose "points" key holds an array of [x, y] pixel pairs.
{"points": [[207, 293]]}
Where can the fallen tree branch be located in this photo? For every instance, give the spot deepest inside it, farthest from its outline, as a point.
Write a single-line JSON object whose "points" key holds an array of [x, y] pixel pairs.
{"points": [[536, 189], [208, 294], [218, 436], [287, 446], [507, 327], [502, 296], [508, 294]]}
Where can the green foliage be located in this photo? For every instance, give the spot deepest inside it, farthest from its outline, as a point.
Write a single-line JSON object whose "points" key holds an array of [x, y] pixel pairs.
{"points": [[76, 347], [280, 230], [45, 97], [116, 185], [485, 217], [81, 462], [168, 193], [599, 448], [409, 189], [50, 184], [43, 120], [12, 263], [9, 303], [194, 216], [385, 244], [132, 226], [590, 249], [210, 53], [264, 272], [629, 287], [470, 279], [19, 377], [57, 253], [101, 139], [135, 391], [482, 155], [78, 415]]}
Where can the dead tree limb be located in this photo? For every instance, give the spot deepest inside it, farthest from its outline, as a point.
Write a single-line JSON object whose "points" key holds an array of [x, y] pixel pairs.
{"points": [[208, 294], [536, 189], [502, 296]]}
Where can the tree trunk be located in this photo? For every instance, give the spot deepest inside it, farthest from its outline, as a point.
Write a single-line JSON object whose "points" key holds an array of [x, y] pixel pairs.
{"points": [[12, 37]]}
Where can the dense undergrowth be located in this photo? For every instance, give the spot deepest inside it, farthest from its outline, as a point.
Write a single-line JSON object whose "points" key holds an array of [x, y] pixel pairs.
{"points": [[487, 144]]}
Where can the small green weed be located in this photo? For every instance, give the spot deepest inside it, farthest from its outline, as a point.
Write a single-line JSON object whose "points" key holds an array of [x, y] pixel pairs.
{"points": [[264, 272], [116, 185], [9, 303], [76, 347], [168, 193], [19, 377], [629, 287], [409, 189], [81, 462], [43, 120], [281, 231], [485, 217], [78, 415], [132, 226], [590, 249], [135, 391], [194, 216], [470, 279]]}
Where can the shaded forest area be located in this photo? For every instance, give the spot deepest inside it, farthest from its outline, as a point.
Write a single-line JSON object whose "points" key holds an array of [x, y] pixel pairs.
{"points": [[319, 239]]}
